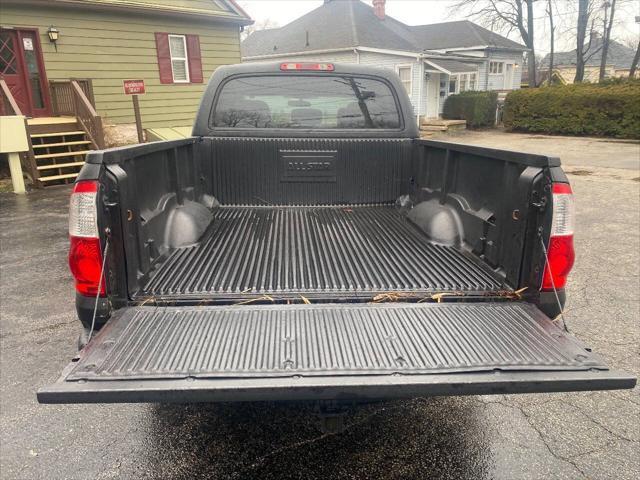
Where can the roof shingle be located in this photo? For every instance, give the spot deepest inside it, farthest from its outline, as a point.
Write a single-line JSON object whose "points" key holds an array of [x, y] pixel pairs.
{"points": [[352, 23], [618, 55]]}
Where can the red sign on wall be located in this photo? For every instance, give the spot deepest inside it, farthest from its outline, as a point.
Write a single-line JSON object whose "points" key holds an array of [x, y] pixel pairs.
{"points": [[133, 87]]}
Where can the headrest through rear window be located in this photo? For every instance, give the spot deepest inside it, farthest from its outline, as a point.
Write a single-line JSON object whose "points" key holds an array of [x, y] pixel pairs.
{"points": [[306, 117]]}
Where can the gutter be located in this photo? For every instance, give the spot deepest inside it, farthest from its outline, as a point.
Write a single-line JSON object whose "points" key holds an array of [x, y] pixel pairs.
{"points": [[483, 47], [423, 80], [150, 9]]}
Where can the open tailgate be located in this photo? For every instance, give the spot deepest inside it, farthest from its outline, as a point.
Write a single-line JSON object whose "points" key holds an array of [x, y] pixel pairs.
{"points": [[328, 351]]}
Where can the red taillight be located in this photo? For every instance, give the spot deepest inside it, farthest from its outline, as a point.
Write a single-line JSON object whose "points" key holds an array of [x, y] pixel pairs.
{"points": [[560, 252], [326, 67], [85, 262], [85, 258]]}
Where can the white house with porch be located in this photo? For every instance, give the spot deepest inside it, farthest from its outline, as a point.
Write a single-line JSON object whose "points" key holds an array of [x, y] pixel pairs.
{"points": [[433, 61]]}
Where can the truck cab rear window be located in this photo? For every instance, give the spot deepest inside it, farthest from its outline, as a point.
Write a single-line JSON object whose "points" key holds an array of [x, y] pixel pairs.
{"points": [[306, 102]]}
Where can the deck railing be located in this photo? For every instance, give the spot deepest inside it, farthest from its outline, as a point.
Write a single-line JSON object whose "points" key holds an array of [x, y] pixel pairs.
{"points": [[62, 95], [87, 116], [9, 106], [75, 97]]}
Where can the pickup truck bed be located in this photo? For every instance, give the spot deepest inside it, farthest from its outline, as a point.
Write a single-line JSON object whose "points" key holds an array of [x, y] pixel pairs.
{"points": [[293, 251], [304, 244]]}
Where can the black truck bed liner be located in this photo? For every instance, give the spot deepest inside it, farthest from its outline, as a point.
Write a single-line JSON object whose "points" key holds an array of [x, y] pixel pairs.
{"points": [[292, 251], [339, 351]]}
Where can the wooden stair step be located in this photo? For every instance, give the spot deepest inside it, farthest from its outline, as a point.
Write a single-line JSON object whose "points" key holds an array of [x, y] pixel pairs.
{"points": [[51, 120], [60, 165], [442, 122], [58, 177], [434, 128], [57, 134], [62, 144], [62, 154]]}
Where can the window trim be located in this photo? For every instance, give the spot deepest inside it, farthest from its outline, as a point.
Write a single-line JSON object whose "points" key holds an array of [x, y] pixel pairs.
{"points": [[410, 67], [496, 62], [185, 59], [475, 81], [457, 80], [458, 77]]}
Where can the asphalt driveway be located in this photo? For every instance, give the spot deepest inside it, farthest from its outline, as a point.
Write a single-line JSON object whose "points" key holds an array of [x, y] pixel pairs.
{"points": [[585, 435]]}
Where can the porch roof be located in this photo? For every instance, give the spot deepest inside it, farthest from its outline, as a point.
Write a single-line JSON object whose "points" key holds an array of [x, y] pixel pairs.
{"points": [[449, 66]]}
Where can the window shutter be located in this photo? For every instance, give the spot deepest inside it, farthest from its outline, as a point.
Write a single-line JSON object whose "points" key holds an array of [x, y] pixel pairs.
{"points": [[164, 57], [195, 59]]}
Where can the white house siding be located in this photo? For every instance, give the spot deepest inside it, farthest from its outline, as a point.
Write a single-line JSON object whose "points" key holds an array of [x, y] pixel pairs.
{"points": [[483, 68], [391, 62], [496, 82]]}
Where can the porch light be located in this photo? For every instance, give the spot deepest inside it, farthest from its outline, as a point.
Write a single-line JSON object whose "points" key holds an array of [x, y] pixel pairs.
{"points": [[53, 33]]}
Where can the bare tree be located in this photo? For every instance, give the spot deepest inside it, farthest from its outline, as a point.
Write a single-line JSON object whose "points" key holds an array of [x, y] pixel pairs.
{"points": [[606, 36], [585, 50], [551, 40], [506, 15], [265, 24], [583, 20], [634, 63]]}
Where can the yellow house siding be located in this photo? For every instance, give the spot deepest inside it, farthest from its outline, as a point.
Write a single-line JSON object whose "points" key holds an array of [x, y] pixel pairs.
{"points": [[181, 4], [108, 47]]}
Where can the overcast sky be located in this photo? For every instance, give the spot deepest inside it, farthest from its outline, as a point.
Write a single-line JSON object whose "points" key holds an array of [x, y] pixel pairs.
{"points": [[418, 12]]}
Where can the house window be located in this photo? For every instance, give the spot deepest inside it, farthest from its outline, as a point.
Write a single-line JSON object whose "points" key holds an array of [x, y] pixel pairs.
{"points": [[453, 84], [466, 81], [179, 58], [179, 61], [496, 68], [463, 82], [404, 72]]}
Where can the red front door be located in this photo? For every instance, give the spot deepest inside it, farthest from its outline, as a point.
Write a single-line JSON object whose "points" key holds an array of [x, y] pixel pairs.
{"points": [[21, 66]]}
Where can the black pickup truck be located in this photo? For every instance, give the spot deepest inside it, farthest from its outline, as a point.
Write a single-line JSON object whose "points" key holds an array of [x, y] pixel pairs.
{"points": [[305, 244]]}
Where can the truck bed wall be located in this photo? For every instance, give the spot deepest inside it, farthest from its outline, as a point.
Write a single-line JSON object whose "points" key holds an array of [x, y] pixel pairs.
{"points": [[479, 198], [298, 171]]}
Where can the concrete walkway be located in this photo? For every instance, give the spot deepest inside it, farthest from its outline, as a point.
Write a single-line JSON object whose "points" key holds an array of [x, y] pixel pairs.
{"points": [[581, 152]]}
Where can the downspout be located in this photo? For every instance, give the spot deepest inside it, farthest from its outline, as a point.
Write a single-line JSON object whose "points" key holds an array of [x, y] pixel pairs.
{"points": [[355, 50], [486, 72], [423, 79]]}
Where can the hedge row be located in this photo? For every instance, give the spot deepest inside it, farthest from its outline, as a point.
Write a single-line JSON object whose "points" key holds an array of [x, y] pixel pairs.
{"points": [[606, 109], [477, 108]]}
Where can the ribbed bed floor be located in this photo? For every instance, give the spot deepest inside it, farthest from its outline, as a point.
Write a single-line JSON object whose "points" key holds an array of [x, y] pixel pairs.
{"points": [[314, 250]]}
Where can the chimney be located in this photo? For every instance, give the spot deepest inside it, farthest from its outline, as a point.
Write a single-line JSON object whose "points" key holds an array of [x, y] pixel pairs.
{"points": [[378, 8]]}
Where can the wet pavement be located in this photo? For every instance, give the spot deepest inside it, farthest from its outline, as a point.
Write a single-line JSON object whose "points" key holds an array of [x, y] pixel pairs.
{"points": [[551, 436]]}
